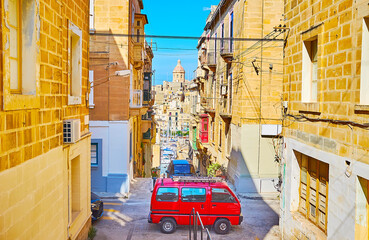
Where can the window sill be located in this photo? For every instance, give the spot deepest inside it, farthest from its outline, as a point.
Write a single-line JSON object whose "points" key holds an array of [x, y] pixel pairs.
{"points": [[309, 229], [19, 101], [73, 100], [310, 108], [75, 215], [361, 109]]}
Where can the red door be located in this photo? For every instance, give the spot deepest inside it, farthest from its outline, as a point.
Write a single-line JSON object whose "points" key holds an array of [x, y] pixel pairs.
{"points": [[194, 197], [223, 204]]}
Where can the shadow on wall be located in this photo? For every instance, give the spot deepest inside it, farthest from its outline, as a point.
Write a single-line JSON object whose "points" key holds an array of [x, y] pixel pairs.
{"points": [[239, 173], [259, 218]]}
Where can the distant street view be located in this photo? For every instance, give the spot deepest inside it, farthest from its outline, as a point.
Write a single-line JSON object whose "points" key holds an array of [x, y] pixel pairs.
{"points": [[210, 119]]}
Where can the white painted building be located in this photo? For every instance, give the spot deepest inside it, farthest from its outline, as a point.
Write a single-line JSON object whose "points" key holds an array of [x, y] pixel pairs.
{"points": [[113, 168], [345, 199]]}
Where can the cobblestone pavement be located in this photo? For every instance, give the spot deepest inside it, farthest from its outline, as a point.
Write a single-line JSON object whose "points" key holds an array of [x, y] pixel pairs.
{"points": [[126, 219]]}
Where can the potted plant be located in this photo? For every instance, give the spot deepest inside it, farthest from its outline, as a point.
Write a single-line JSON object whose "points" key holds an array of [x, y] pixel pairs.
{"points": [[216, 170]]}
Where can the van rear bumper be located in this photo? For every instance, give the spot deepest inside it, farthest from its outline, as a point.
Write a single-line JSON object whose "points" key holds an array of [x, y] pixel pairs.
{"points": [[149, 220]]}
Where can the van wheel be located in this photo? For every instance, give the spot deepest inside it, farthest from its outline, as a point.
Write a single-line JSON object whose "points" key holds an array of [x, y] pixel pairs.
{"points": [[168, 225], [222, 226]]}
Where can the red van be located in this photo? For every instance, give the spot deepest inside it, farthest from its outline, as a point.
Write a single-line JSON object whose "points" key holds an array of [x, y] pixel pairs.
{"points": [[174, 198]]}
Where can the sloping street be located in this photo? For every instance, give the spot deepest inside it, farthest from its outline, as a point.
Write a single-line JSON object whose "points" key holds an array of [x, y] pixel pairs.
{"points": [[127, 219]]}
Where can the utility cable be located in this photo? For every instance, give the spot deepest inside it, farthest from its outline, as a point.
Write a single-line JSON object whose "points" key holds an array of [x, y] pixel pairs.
{"points": [[185, 37], [303, 118]]}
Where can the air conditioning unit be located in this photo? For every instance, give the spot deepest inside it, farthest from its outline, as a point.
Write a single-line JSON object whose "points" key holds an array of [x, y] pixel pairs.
{"points": [[223, 90], [71, 130]]}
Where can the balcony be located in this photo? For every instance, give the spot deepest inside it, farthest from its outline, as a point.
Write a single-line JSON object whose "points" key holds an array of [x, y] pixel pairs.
{"points": [[147, 135], [136, 99], [208, 105], [138, 55], [202, 58], [199, 73], [226, 52], [147, 116], [204, 136], [225, 108], [146, 97], [212, 61]]}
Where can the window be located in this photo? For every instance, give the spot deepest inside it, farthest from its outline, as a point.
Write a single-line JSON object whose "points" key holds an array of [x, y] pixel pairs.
{"points": [[138, 35], [91, 95], [75, 64], [23, 47], [167, 195], [193, 194], [15, 46], [94, 158], [230, 84], [221, 195], [313, 189], [231, 32], [215, 47], [222, 32], [220, 134], [133, 19], [310, 71], [92, 14], [364, 79]]}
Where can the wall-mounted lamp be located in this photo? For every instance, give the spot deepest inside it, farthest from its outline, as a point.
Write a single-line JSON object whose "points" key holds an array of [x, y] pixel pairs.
{"points": [[348, 171]]}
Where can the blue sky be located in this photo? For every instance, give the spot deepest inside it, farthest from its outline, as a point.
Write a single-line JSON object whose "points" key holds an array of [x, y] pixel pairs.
{"points": [[175, 18]]}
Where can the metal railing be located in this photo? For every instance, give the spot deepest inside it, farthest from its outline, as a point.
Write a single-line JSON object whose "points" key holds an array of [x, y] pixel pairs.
{"points": [[193, 227]]}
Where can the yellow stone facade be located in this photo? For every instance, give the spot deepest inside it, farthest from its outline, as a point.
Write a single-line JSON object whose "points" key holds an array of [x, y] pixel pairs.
{"points": [[38, 200], [325, 120], [241, 88], [338, 28]]}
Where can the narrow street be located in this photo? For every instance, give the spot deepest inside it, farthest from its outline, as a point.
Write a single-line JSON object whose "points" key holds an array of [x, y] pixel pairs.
{"points": [[127, 219]]}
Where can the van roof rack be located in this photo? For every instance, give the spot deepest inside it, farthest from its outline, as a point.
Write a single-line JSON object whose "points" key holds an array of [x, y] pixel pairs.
{"points": [[197, 179]]}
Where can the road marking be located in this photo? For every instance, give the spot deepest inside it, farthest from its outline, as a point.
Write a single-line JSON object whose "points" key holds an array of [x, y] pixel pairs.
{"points": [[107, 218], [110, 210], [111, 203]]}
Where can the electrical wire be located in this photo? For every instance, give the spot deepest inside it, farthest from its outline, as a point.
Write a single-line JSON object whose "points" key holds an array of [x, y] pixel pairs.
{"points": [[303, 118], [182, 37]]}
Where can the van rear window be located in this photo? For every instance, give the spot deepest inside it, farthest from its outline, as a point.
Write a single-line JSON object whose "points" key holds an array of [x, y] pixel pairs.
{"points": [[221, 195], [167, 195], [193, 194]]}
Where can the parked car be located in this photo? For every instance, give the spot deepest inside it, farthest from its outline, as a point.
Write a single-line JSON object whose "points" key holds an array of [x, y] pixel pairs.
{"points": [[180, 168], [173, 199], [97, 207]]}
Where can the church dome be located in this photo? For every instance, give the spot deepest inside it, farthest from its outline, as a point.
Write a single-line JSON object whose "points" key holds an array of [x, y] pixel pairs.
{"points": [[179, 68]]}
